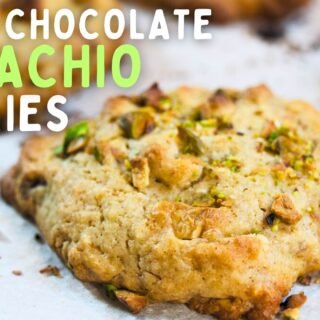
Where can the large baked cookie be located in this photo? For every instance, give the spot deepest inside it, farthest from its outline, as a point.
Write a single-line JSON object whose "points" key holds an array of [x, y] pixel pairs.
{"points": [[231, 10], [52, 66], [198, 197]]}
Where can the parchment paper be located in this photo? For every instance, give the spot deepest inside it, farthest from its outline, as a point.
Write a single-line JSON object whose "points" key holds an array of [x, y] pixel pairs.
{"points": [[235, 57]]}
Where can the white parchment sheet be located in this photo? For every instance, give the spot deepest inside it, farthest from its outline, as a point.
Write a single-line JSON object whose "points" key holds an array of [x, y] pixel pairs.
{"points": [[235, 57]]}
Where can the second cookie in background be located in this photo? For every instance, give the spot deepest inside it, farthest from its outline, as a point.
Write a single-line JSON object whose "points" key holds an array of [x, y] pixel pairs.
{"points": [[225, 11]]}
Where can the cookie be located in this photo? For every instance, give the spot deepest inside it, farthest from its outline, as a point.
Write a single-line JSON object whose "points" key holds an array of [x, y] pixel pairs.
{"points": [[207, 198], [232, 10], [52, 66]]}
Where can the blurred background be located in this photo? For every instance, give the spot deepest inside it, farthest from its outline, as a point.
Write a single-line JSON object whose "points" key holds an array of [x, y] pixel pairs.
{"points": [[284, 55]]}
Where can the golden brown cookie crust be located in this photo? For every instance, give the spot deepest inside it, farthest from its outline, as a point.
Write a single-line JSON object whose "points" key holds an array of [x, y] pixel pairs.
{"points": [[195, 209]]}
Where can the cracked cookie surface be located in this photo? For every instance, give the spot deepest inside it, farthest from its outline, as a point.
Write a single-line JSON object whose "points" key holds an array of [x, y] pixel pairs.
{"points": [[198, 197]]}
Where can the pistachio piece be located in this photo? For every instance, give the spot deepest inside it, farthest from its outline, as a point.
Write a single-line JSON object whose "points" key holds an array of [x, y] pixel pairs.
{"points": [[279, 140], [273, 222], [134, 302], [291, 314], [76, 145], [228, 93], [213, 199], [305, 280], [295, 301], [190, 142], [173, 171], [155, 98], [294, 150], [30, 182], [217, 194], [136, 124], [203, 200], [189, 124], [274, 135], [231, 163], [140, 172], [220, 107], [164, 104], [209, 123], [268, 129], [284, 209], [97, 155], [111, 289], [58, 150], [75, 139]]}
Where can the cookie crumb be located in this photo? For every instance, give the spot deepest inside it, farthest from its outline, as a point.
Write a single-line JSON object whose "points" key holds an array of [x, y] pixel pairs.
{"points": [[284, 208], [291, 314], [132, 301], [51, 271], [271, 32], [295, 301], [305, 280], [291, 306], [38, 238]]}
